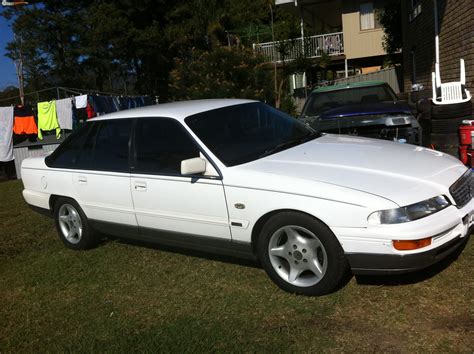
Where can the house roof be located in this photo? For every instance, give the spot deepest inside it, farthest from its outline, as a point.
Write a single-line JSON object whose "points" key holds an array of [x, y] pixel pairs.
{"points": [[348, 85]]}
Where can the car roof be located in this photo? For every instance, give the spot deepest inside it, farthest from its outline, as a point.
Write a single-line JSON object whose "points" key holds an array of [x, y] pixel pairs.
{"points": [[178, 110], [348, 86]]}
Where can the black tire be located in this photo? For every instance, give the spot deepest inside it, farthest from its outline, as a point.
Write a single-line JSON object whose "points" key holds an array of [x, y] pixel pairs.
{"points": [[330, 256], [444, 140], [446, 126], [423, 108], [449, 111], [425, 125], [86, 238]]}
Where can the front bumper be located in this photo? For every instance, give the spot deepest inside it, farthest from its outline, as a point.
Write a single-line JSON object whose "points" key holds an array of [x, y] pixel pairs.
{"points": [[370, 250], [365, 264]]}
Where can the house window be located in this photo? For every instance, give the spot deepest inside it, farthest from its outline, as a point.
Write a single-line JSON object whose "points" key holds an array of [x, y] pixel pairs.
{"points": [[414, 7], [369, 16]]}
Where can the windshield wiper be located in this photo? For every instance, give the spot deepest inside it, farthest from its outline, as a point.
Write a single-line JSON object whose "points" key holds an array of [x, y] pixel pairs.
{"points": [[310, 136], [291, 143]]}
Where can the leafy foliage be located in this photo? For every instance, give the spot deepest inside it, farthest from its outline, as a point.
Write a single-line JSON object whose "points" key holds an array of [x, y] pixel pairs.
{"points": [[222, 72], [149, 47], [391, 21]]}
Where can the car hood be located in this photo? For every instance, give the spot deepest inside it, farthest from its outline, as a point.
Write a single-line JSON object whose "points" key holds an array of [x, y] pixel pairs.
{"points": [[363, 109], [402, 173]]}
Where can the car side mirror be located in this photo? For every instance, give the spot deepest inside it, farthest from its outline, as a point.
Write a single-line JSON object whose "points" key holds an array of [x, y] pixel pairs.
{"points": [[193, 166]]}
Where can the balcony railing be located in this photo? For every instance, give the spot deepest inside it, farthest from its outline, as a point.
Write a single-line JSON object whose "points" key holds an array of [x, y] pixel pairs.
{"points": [[309, 47]]}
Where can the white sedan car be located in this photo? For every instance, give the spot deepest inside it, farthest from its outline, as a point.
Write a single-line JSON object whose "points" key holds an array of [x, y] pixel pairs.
{"points": [[239, 177]]}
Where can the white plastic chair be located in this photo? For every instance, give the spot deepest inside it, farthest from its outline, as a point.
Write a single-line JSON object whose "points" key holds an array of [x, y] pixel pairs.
{"points": [[451, 92]]}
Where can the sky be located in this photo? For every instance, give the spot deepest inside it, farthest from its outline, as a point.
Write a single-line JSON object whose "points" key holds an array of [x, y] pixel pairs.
{"points": [[7, 68]]}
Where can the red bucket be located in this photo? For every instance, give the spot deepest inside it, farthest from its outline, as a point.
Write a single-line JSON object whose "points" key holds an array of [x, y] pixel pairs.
{"points": [[465, 134], [463, 154]]}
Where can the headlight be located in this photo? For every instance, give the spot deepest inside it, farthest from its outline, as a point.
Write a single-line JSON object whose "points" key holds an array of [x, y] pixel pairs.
{"points": [[410, 212]]}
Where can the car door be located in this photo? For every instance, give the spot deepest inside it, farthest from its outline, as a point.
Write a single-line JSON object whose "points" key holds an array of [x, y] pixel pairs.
{"points": [[102, 178], [165, 200]]}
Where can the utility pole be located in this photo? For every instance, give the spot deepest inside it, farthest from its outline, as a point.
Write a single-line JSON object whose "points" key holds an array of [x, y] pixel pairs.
{"points": [[277, 99]]}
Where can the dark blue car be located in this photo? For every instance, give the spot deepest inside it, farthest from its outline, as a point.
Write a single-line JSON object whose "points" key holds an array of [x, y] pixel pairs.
{"points": [[369, 109]]}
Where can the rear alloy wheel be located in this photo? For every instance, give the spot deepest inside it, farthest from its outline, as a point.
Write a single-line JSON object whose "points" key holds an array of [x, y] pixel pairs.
{"points": [[72, 225], [301, 255]]}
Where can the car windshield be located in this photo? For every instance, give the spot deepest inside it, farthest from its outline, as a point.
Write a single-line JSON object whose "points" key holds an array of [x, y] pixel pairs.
{"points": [[320, 102], [245, 132]]}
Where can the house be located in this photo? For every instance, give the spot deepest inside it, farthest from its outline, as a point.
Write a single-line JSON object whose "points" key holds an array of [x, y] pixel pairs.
{"points": [[347, 30], [456, 41]]}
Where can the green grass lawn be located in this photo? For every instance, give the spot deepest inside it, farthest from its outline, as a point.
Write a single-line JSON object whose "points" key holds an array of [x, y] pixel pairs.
{"points": [[128, 297]]}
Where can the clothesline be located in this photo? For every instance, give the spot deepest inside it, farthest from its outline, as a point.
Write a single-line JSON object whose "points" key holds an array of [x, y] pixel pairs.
{"points": [[78, 91], [57, 116], [75, 91]]}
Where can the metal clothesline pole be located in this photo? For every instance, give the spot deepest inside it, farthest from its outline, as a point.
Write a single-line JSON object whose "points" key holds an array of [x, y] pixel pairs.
{"points": [[28, 94], [96, 91]]}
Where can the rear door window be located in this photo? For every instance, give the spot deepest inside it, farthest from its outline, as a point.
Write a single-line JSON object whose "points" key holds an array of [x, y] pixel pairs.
{"points": [[161, 144], [110, 152], [68, 153], [101, 145]]}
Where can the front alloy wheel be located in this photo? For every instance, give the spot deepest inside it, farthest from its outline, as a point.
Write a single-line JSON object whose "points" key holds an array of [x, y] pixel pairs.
{"points": [[301, 254], [297, 256]]}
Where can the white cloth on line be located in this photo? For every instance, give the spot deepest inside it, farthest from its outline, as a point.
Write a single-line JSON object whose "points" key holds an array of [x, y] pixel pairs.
{"points": [[6, 134], [80, 101], [64, 113]]}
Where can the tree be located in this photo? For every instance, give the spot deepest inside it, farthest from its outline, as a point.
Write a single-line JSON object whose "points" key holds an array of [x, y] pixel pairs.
{"points": [[224, 72], [134, 46], [391, 21]]}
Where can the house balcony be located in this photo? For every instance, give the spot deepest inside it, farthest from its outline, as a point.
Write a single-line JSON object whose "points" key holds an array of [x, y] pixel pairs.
{"points": [[309, 47]]}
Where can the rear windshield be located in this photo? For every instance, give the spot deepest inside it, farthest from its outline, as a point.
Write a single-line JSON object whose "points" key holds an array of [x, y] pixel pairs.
{"points": [[320, 102]]}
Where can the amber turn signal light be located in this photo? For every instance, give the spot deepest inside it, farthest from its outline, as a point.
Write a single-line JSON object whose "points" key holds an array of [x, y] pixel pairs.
{"points": [[407, 245]]}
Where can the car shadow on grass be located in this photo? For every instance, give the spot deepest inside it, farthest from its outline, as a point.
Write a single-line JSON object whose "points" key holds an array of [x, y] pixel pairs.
{"points": [[412, 277], [247, 262], [376, 280]]}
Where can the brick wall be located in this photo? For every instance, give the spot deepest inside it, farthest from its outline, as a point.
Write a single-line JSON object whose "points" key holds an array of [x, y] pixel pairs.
{"points": [[456, 26]]}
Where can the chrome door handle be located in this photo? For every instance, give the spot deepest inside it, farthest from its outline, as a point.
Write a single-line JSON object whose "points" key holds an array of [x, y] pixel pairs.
{"points": [[139, 186]]}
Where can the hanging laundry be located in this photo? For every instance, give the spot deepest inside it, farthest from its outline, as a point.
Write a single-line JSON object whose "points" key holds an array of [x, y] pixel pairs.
{"points": [[148, 101], [103, 104], [64, 113], [96, 104], [90, 111], [123, 103], [116, 102], [80, 101], [47, 118], [24, 121], [110, 105], [6, 134]]}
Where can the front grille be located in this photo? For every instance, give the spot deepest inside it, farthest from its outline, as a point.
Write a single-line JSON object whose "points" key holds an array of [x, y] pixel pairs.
{"points": [[461, 190]]}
